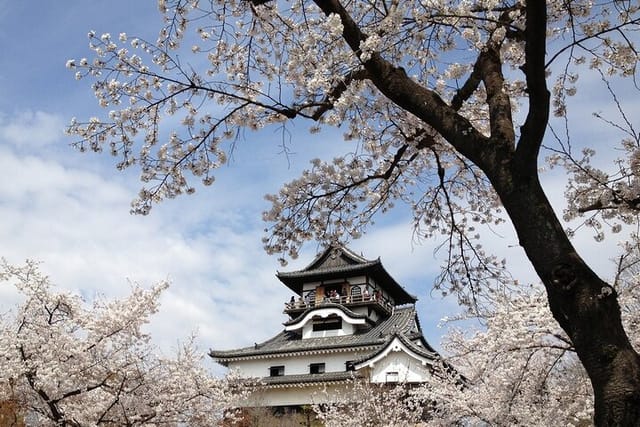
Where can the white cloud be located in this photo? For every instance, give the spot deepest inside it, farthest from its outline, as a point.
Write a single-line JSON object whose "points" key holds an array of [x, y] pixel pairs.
{"points": [[77, 223], [223, 285], [33, 128]]}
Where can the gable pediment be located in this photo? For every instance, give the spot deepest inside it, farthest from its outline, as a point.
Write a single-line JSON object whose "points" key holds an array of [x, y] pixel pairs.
{"points": [[335, 257]]}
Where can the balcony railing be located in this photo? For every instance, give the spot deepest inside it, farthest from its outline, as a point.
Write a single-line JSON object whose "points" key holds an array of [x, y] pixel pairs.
{"points": [[302, 304]]}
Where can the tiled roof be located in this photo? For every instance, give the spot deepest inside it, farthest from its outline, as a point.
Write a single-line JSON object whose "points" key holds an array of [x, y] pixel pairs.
{"points": [[401, 321], [334, 259], [324, 271], [425, 352], [309, 378], [336, 256]]}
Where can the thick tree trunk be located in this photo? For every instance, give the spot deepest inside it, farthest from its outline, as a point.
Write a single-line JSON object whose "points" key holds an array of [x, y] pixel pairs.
{"points": [[584, 305]]}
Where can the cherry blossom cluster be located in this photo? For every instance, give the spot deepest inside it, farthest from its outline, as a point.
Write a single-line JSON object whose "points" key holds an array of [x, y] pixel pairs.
{"points": [[519, 369], [627, 287], [65, 362], [600, 43], [604, 196], [366, 404]]}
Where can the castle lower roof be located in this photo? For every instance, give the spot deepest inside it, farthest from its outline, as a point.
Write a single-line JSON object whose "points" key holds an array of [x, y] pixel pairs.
{"points": [[403, 321], [303, 379]]}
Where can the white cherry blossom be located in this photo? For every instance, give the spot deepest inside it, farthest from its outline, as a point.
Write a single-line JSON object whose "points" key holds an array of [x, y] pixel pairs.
{"points": [[65, 362]]}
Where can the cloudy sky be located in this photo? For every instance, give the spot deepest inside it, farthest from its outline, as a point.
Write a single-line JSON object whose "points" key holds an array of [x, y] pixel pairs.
{"points": [[71, 210]]}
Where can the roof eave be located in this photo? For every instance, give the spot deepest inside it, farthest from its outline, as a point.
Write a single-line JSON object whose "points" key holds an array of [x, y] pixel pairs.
{"points": [[236, 357], [296, 279]]}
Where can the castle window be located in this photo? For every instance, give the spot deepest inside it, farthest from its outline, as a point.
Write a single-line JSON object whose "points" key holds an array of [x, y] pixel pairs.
{"points": [[392, 377], [316, 368], [276, 371], [328, 324]]}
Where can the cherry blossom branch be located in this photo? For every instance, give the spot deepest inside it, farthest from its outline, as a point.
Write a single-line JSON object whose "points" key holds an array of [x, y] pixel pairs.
{"points": [[327, 102], [597, 34], [394, 83], [490, 70], [93, 365]]}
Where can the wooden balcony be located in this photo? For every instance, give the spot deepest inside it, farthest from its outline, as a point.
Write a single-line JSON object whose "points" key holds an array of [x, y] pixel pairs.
{"points": [[300, 305]]}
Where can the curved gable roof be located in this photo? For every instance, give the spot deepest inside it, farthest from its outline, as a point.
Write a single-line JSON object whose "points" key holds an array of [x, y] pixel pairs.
{"points": [[337, 309], [289, 342], [398, 342]]}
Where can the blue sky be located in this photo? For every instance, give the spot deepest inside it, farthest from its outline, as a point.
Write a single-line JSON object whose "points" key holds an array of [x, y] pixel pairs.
{"points": [[71, 210]]}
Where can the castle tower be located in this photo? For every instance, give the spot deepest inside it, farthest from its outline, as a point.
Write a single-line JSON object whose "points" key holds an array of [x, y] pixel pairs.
{"points": [[348, 318]]}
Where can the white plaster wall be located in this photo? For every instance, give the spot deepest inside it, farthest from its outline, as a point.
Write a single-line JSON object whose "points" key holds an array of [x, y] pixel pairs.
{"points": [[356, 280], [309, 286], [360, 310], [294, 365], [306, 323], [408, 368], [373, 316]]}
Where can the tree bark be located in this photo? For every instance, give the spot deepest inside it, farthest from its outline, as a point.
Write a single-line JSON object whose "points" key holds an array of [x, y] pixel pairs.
{"points": [[584, 305]]}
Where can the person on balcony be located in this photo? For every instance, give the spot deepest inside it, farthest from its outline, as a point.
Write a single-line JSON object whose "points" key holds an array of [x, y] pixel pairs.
{"points": [[325, 298]]}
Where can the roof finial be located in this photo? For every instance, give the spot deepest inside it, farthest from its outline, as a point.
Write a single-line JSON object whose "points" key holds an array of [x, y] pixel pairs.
{"points": [[335, 251]]}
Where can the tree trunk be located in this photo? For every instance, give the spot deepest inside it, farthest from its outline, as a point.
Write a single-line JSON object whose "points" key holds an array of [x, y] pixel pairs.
{"points": [[584, 305]]}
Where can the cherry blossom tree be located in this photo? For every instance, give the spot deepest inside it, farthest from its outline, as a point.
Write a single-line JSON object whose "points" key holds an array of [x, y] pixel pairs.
{"points": [[364, 404], [520, 368], [448, 103], [64, 363]]}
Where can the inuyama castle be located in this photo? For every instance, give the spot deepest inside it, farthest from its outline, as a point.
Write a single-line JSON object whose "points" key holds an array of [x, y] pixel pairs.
{"points": [[348, 318]]}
